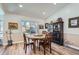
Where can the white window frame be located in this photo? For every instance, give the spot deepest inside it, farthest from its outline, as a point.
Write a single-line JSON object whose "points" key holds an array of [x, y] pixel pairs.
{"points": [[1, 32], [31, 22]]}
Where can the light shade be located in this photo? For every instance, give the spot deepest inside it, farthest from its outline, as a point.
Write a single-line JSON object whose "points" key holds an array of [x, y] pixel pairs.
{"points": [[20, 5], [44, 13]]}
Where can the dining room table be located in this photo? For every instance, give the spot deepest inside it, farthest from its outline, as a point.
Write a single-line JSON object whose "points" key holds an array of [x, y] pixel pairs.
{"points": [[35, 38]]}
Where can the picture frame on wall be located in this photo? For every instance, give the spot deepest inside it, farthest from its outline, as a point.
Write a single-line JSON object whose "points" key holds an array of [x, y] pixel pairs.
{"points": [[12, 25], [46, 25], [41, 27], [74, 22]]}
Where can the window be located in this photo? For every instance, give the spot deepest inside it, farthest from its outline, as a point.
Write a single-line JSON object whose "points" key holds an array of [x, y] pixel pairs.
{"points": [[1, 29], [33, 27], [29, 27]]}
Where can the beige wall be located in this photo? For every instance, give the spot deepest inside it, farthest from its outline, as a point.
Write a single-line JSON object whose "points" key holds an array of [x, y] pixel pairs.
{"points": [[16, 34], [71, 39]]}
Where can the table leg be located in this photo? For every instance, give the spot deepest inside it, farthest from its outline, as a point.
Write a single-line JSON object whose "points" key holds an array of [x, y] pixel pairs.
{"points": [[50, 46], [44, 48], [39, 46], [34, 46]]}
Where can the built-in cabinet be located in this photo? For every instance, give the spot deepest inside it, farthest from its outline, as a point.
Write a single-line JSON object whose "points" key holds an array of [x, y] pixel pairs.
{"points": [[58, 32], [56, 28]]}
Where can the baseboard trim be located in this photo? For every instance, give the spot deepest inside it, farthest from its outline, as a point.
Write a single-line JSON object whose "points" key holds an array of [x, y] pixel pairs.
{"points": [[18, 42], [72, 46], [13, 43]]}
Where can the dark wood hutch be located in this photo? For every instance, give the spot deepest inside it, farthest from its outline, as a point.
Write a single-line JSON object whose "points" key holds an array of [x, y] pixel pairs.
{"points": [[58, 32]]}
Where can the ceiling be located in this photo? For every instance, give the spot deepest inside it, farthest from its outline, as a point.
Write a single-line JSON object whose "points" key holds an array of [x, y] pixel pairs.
{"points": [[36, 10]]}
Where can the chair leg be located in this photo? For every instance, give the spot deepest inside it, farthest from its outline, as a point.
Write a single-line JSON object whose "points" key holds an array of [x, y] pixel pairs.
{"points": [[44, 50], [25, 51], [50, 47], [39, 47], [25, 48], [31, 46], [34, 48]]}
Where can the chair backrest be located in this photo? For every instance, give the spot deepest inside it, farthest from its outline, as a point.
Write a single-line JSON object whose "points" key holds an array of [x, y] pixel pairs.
{"points": [[24, 36], [44, 32], [26, 40], [48, 36]]}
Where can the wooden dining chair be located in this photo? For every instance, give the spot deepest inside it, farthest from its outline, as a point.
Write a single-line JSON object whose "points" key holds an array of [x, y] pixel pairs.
{"points": [[44, 32], [27, 42], [46, 43]]}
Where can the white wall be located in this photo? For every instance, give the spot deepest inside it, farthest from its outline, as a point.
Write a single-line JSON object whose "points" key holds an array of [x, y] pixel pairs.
{"points": [[70, 11], [17, 34], [1, 11], [67, 12]]}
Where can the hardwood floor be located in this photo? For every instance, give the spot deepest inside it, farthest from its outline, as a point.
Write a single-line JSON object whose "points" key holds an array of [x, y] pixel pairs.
{"points": [[17, 49]]}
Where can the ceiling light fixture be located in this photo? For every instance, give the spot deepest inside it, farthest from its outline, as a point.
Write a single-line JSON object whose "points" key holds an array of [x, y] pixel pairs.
{"points": [[20, 6], [44, 13], [54, 3]]}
